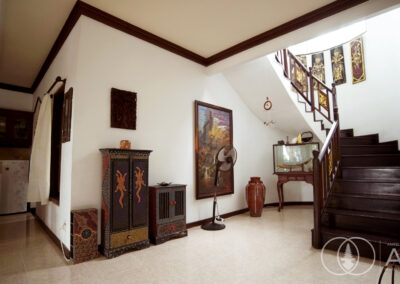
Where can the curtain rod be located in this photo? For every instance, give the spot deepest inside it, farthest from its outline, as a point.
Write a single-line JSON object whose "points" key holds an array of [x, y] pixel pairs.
{"points": [[58, 79]]}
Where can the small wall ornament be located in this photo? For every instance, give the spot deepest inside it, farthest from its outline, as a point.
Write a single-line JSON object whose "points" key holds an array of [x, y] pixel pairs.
{"points": [[267, 104]]}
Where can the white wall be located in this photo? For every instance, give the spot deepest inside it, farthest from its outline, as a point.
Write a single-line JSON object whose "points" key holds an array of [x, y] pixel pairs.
{"points": [[371, 106], [15, 100], [64, 65], [167, 86]]}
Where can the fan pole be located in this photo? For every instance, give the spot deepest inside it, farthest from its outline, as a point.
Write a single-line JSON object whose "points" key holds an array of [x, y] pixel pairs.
{"points": [[212, 226]]}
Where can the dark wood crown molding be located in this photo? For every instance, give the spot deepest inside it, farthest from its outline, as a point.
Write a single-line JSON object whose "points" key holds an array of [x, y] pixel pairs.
{"points": [[15, 88], [82, 8]]}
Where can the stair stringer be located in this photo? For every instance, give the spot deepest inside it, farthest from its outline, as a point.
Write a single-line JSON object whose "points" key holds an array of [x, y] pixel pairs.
{"points": [[316, 127]]}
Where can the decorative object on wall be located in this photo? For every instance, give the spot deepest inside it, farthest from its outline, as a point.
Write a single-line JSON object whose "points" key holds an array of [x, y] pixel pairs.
{"points": [[323, 100], [213, 130], [302, 59], [15, 128], [268, 123], [318, 66], [167, 212], [357, 60], [123, 109], [267, 104], [66, 117], [124, 210], [338, 69], [84, 235], [298, 76], [255, 196], [125, 144]]}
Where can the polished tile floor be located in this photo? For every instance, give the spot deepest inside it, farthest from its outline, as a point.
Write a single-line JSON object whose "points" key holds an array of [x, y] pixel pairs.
{"points": [[275, 248]]}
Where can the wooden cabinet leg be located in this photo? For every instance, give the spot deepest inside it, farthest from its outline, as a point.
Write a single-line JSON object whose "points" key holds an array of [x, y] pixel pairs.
{"points": [[280, 195]]}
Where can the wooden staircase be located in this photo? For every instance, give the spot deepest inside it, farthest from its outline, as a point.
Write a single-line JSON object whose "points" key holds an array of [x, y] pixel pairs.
{"points": [[356, 179], [365, 198]]}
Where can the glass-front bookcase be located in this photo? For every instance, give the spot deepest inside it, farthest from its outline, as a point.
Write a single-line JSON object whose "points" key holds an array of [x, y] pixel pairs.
{"points": [[294, 157]]}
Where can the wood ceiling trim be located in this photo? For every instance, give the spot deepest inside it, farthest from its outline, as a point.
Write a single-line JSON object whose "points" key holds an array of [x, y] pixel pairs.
{"points": [[82, 8]]}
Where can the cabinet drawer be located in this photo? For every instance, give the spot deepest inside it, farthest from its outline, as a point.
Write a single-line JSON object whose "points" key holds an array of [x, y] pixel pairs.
{"points": [[170, 228], [128, 237]]}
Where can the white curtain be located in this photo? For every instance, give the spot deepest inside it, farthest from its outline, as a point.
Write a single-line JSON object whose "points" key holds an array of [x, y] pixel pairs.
{"points": [[39, 174]]}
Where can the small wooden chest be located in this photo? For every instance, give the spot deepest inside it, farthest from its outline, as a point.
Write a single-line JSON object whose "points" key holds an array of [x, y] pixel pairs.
{"points": [[167, 212]]}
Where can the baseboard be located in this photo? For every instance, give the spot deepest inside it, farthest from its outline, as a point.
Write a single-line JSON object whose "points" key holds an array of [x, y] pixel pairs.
{"points": [[52, 236], [244, 210], [289, 203]]}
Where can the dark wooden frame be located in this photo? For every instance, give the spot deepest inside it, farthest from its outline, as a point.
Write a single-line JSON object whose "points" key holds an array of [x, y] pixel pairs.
{"points": [[67, 115], [11, 116], [197, 104], [56, 145], [81, 8], [123, 109]]}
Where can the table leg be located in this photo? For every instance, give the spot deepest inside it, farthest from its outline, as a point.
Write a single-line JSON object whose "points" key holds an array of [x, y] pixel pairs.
{"points": [[280, 195]]}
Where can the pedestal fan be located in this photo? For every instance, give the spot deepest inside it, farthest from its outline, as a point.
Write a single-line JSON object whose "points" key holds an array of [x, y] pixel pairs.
{"points": [[225, 160]]}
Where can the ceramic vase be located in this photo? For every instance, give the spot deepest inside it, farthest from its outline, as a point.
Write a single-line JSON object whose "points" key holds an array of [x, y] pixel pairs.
{"points": [[255, 196]]}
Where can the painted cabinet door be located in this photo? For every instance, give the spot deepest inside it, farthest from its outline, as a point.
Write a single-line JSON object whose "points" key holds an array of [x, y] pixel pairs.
{"points": [[140, 194], [120, 195]]}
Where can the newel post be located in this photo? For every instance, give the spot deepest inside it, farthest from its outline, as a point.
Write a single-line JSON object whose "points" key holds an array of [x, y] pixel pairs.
{"points": [[311, 88], [316, 238]]}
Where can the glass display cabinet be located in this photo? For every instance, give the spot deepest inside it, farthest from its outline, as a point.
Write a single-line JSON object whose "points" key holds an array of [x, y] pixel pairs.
{"points": [[293, 162]]}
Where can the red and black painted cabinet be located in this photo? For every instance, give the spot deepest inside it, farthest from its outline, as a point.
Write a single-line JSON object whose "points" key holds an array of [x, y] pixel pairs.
{"points": [[167, 212], [125, 198]]}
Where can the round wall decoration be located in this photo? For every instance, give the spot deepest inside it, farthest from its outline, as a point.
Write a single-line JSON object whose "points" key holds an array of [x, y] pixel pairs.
{"points": [[267, 104]]}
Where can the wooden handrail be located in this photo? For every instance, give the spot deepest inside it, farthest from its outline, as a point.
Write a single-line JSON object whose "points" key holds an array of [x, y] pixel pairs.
{"points": [[326, 163]]}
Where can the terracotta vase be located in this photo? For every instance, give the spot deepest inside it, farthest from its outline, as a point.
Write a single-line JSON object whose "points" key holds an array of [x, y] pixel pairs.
{"points": [[255, 196]]}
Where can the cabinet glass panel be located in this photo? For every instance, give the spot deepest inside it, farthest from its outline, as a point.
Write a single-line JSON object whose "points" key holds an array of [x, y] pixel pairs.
{"points": [[294, 157]]}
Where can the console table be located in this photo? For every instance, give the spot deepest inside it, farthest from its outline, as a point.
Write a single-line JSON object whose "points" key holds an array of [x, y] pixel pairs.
{"points": [[291, 176], [293, 162]]}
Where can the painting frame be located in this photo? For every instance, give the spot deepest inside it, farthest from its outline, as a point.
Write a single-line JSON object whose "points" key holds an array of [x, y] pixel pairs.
{"points": [[357, 60], [202, 190]]}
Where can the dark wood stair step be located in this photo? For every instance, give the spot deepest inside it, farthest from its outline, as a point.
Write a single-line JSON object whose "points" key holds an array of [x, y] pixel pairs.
{"points": [[370, 173], [365, 214], [368, 149], [382, 203], [367, 186], [371, 160], [382, 245], [395, 197], [346, 133], [360, 140]]}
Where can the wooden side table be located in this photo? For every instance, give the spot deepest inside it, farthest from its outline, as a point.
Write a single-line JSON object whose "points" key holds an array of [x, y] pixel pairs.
{"points": [[291, 176]]}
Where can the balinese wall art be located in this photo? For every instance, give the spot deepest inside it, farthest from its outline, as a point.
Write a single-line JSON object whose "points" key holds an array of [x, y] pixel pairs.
{"points": [[298, 74], [213, 130], [357, 60], [123, 109], [338, 69], [318, 67]]}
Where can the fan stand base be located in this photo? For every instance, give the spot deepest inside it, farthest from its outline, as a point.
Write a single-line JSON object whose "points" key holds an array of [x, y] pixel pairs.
{"points": [[213, 226]]}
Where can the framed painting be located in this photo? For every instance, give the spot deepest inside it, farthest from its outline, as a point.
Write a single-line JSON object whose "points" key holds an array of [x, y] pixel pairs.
{"points": [[318, 67], [338, 69], [213, 130], [123, 109], [357, 60]]}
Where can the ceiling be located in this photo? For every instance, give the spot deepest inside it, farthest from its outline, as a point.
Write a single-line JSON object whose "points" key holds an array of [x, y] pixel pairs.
{"points": [[28, 28]]}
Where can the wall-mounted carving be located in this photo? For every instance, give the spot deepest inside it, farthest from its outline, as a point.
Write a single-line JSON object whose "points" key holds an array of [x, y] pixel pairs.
{"points": [[338, 69], [318, 66], [123, 109], [357, 60]]}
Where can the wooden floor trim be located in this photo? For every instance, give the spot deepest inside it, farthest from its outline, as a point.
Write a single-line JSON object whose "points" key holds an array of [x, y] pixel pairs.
{"points": [[244, 210]]}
